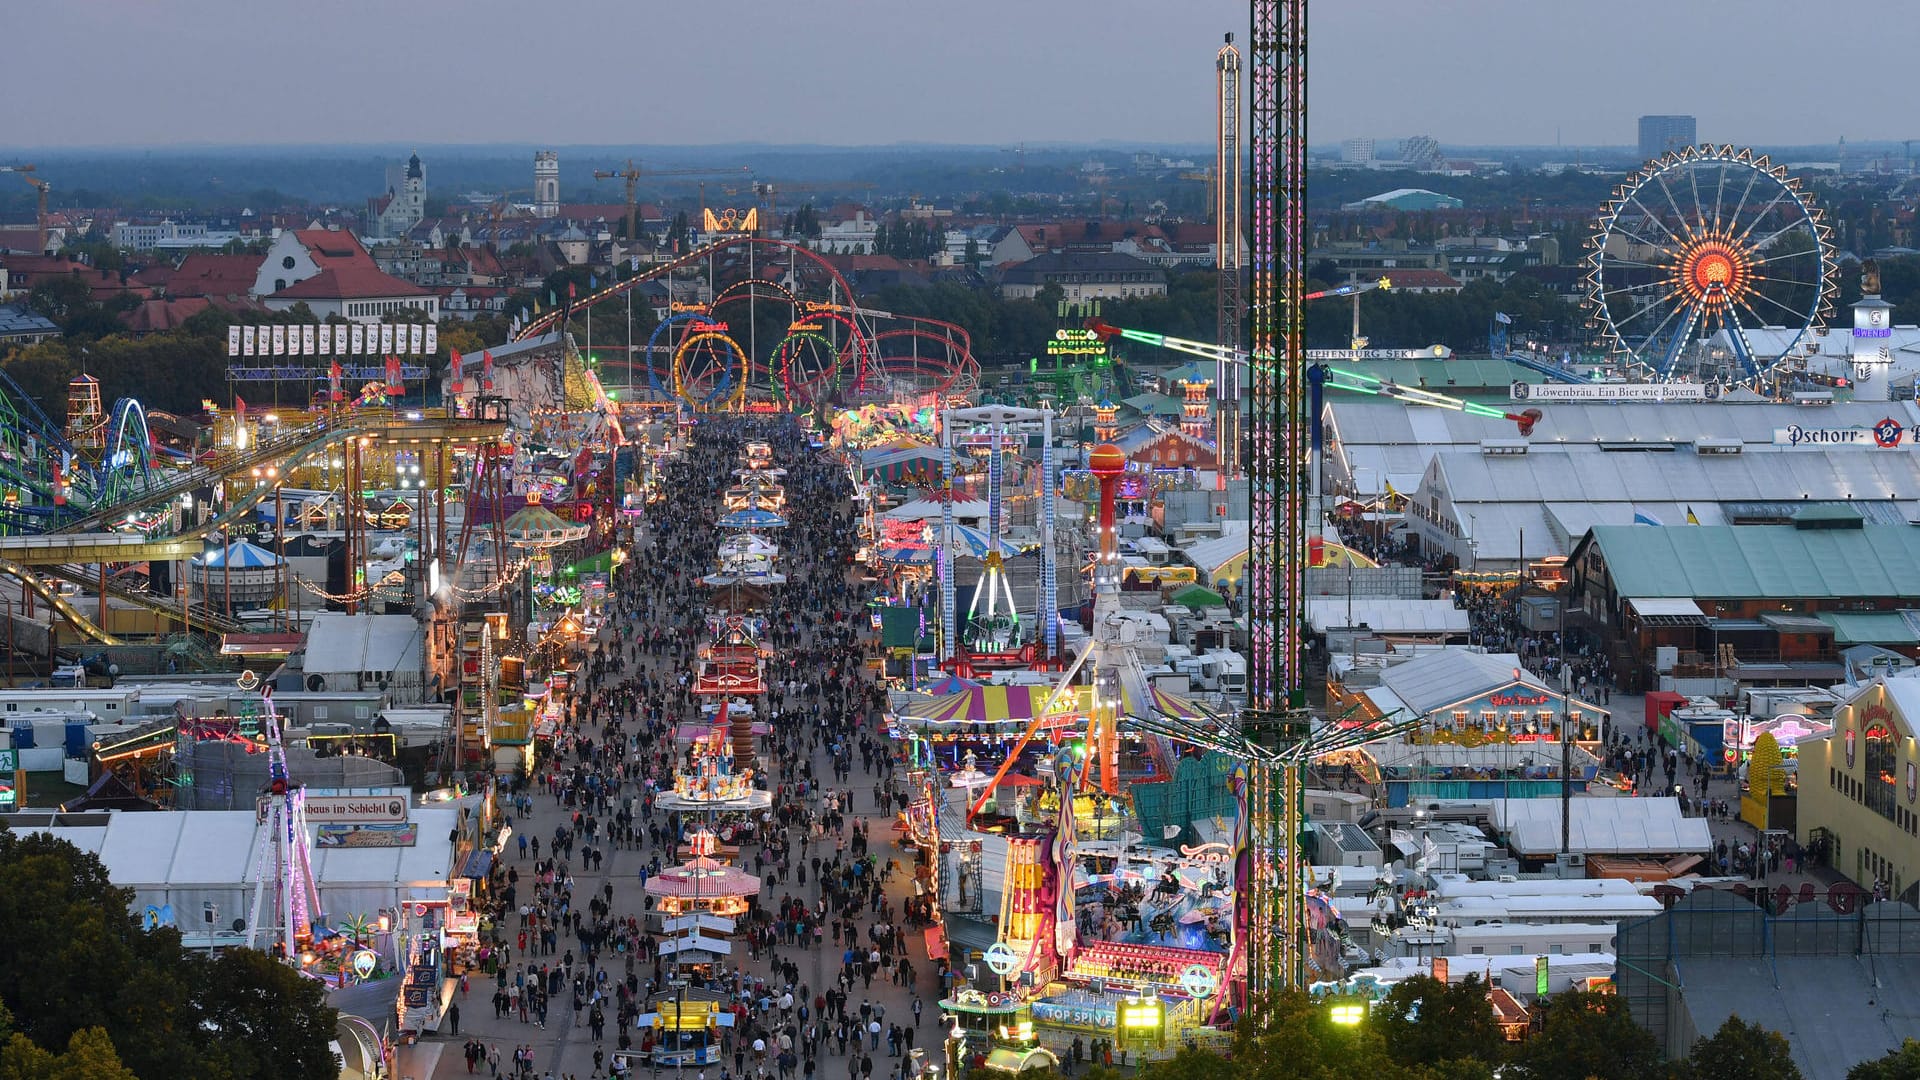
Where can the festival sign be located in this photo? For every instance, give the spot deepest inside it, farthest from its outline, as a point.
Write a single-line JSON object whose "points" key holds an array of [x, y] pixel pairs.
{"points": [[1431, 352], [1888, 434], [345, 809], [1644, 392], [343, 835]]}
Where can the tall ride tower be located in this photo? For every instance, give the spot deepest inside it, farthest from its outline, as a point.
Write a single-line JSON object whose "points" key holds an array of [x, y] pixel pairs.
{"points": [[1276, 713], [1227, 250]]}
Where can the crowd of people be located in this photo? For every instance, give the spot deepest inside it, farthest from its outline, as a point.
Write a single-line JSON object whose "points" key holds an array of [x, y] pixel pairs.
{"points": [[571, 955]]}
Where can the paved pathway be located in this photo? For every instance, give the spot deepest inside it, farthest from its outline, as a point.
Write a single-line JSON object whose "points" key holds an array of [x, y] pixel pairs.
{"points": [[565, 1047]]}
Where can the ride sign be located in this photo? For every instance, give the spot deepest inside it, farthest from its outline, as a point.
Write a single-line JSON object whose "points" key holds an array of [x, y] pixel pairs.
{"points": [[1199, 981], [1001, 959], [1076, 343]]}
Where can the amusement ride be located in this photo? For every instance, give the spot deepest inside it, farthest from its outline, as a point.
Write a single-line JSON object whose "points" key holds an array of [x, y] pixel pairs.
{"points": [[1698, 249]]}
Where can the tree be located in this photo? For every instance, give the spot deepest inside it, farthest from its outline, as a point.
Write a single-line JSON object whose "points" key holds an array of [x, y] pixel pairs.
{"points": [[1742, 1051], [270, 1019], [1588, 1037], [42, 370], [90, 1056], [1426, 1021], [60, 297], [1902, 1064], [79, 963]]}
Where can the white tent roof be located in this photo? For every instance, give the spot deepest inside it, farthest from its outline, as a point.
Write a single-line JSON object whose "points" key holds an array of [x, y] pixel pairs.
{"points": [[1602, 826], [696, 943], [338, 642], [1445, 676], [186, 849], [1212, 553], [1386, 615]]}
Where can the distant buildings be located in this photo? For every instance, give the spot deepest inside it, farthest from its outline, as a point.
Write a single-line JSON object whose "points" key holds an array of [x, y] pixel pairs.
{"points": [[1421, 153], [546, 184], [1660, 134], [332, 274], [1408, 200], [134, 236], [403, 206], [1357, 151], [1084, 276], [18, 326]]}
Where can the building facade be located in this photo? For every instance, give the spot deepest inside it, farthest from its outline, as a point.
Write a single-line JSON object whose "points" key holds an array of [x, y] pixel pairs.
{"points": [[134, 236], [1084, 276], [1660, 134], [546, 183], [1859, 803], [403, 206]]}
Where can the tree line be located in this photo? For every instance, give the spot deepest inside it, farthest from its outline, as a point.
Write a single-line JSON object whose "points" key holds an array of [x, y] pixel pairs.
{"points": [[1428, 1030], [88, 994]]}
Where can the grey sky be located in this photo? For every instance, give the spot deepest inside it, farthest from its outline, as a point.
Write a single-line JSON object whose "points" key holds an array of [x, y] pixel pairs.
{"points": [[561, 72]]}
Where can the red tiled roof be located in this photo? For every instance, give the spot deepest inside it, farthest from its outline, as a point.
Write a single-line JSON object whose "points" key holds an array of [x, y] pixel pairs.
{"points": [[1190, 233], [155, 276], [1421, 279], [332, 248], [480, 260], [201, 274], [41, 264], [350, 282], [153, 316]]}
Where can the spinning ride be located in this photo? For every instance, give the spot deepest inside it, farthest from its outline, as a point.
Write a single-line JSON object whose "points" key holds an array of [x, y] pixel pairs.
{"points": [[1698, 249]]}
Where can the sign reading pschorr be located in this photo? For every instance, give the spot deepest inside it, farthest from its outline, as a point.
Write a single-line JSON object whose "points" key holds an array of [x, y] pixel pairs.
{"points": [[1656, 392], [1888, 434], [346, 809]]}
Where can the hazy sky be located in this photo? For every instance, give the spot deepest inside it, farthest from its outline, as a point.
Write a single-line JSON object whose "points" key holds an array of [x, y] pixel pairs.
{"points": [[565, 72]]}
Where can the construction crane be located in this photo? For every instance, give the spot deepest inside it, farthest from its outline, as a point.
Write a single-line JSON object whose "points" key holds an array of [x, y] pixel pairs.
{"points": [[769, 190], [632, 174], [25, 172]]}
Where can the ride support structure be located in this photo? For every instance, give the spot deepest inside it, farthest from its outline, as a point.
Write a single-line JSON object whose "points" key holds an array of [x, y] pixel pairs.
{"points": [[1276, 714]]}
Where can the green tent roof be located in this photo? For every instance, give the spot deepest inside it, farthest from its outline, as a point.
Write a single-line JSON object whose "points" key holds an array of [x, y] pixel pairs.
{"points": [[1758, 561], [1199, 596], [1870, 628]]}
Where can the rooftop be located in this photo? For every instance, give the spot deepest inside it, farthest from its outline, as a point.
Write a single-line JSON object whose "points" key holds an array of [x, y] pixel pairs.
{"points": [[1730, 562]]}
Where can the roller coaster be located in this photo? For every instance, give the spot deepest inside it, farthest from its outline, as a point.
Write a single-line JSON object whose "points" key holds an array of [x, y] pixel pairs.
{"points": [[79, 501], [780, 328]]}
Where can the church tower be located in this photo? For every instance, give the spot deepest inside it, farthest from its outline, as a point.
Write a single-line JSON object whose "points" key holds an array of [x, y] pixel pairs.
{"points": [[413, 193], [546, 183]]}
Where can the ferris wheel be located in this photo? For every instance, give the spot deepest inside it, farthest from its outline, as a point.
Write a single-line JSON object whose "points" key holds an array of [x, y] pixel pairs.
{"points": [[1709, 263]]}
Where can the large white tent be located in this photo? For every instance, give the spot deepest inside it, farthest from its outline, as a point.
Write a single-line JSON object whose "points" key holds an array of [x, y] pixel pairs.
{"points": [[186, 859]]}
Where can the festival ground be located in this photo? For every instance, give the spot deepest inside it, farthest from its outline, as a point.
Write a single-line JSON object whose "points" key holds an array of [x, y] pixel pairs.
{"points": [[566, 1045]]}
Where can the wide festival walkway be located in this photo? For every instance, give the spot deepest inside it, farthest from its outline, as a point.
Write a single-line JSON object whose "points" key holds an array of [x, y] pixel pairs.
{"points": [[815, 631]]}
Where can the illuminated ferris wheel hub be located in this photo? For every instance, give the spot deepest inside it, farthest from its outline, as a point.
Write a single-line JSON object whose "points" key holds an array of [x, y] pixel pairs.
{"points": [[1713, 272]]}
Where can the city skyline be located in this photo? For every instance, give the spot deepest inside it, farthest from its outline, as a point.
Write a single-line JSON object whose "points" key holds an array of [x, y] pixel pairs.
{"points": [[860, 72]]}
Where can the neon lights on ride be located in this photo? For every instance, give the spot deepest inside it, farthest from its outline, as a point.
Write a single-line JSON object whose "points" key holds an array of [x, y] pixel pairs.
{"points": [[1336, 378], [712, 383]]}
